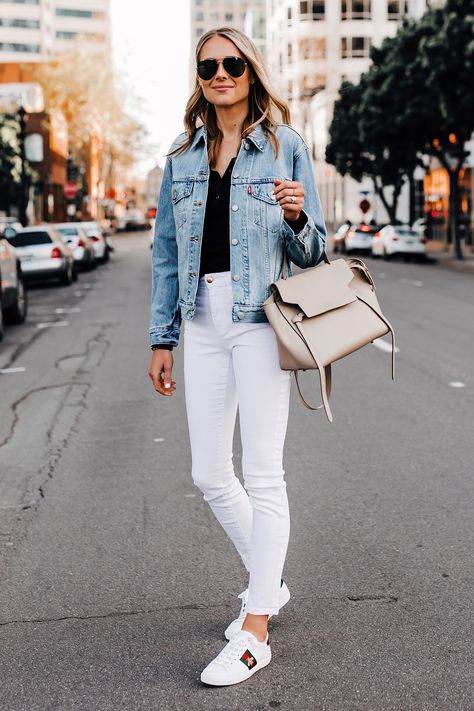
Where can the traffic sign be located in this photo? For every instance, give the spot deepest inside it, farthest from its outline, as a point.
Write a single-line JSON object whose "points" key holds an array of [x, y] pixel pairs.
{"points": [[70, 190]]}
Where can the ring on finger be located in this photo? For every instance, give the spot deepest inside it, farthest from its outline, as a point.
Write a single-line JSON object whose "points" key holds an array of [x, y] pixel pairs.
{"points": [[293, 199]]}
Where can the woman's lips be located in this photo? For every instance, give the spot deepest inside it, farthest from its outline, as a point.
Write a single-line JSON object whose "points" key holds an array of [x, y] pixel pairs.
{"points": [[222, 88]]}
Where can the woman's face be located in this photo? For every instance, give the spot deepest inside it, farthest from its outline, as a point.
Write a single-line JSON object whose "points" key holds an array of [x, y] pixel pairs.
{"points": [[223, 89]]}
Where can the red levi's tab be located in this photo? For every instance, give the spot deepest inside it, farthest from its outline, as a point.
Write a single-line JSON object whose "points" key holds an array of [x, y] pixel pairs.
{"points": [[248, 659]]}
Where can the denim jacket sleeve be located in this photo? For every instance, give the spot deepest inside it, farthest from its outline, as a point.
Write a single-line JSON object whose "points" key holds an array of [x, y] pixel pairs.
{"points": [[306, 248], [165, 316]]}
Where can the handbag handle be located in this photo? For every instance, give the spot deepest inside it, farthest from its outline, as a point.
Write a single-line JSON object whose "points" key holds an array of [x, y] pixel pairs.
{"points": [[284, 263]]}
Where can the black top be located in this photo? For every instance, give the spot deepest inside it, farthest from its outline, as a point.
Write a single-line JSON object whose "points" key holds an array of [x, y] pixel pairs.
{"points": [[215, 249]]}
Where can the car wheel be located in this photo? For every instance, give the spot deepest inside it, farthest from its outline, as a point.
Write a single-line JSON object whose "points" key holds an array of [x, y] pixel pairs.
{"points": [[67, 277], [17, 312]]}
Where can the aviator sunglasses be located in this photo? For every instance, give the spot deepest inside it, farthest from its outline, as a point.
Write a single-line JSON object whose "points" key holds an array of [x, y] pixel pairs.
{"points": [[234, 66]]}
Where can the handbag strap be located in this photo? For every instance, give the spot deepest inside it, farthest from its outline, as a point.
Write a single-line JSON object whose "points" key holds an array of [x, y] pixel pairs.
{"points": [[327, 387]]}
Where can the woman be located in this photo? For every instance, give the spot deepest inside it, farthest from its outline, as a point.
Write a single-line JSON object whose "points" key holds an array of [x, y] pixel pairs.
{"points": [[237, 192]]}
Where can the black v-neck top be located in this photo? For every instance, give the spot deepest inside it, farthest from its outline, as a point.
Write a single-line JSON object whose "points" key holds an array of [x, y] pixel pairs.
{"points": [[215, 250]]}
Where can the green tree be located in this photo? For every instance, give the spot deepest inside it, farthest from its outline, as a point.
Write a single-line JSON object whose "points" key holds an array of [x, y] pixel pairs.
{"points": [[446, 60], [10, 162], [416, 98]]}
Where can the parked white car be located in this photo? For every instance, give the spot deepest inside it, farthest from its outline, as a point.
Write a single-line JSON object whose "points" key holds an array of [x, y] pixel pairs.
{"points": [[82, 247], [43, 254], [398, 239], [358, 239], [99, 244]]}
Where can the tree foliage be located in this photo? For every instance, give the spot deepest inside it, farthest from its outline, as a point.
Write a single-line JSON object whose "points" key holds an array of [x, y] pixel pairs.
{"points": [[85, 88], [416, 98]]}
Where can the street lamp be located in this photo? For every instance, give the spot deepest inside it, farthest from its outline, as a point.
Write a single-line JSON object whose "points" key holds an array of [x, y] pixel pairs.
{"points": [[24, 177]]}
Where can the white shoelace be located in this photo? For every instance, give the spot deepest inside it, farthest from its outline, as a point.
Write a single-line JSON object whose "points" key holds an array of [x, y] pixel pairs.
{"points": [[234, 650]]}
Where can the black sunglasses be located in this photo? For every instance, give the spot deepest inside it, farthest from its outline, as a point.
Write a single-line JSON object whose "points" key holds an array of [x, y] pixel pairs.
{"points": [[207, 68]]}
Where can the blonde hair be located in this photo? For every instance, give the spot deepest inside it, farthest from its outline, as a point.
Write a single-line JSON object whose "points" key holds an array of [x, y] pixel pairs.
{"points": [[262, 99]]}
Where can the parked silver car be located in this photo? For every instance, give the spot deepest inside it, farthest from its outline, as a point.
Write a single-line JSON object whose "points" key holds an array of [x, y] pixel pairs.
{"points": [[13, 296], [43, 254], [82, 246]]}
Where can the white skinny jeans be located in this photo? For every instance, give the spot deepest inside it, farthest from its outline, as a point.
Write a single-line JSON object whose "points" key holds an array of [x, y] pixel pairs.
{"points": [[228, 364]]}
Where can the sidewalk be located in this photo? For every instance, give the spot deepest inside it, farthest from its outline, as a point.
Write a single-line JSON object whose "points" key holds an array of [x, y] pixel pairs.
{"points": [[444, 258]]}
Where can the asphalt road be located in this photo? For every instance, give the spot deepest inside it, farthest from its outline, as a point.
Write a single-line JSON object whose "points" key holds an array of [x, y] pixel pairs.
{"points": [[117, 583]]}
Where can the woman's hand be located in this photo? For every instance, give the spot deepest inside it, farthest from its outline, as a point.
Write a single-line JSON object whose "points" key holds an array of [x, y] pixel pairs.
{"points": [[160, 371], [284, 192]]}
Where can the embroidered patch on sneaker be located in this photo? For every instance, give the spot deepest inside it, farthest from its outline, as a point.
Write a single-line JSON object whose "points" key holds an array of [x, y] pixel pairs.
{"points": [[248, 659]]}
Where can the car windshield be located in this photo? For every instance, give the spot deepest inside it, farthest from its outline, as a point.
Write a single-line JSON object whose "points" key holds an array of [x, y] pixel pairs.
{"points": [[26, 239], [406, 232]]}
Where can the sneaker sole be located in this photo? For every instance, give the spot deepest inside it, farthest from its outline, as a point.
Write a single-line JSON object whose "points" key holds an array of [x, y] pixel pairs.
{"points": [[285, 600], [236, 680]]}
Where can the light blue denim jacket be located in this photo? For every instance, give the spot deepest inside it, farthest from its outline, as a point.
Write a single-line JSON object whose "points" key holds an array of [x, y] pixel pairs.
{"points": [[258, 233]]}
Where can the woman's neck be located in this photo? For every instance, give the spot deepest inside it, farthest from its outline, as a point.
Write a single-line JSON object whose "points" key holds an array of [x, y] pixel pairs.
{"points": [[230, 120]]}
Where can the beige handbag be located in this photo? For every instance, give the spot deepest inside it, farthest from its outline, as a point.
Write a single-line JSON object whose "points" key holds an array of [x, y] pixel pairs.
{"points": [[322, 315]]}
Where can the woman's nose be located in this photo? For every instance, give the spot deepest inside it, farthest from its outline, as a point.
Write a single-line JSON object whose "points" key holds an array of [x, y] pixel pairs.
{"points": [[221, 73]]}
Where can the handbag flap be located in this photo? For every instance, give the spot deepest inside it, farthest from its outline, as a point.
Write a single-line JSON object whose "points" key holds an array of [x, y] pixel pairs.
{"points": [[320, 289]]}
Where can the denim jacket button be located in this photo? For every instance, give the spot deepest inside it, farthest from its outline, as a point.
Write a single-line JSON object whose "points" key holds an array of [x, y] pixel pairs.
{"points": [[235, 208], [236, 277], [235, 241]]}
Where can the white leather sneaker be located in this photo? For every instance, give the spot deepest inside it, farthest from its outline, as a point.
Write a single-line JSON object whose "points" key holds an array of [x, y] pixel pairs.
{"points": [[238, 661], [236, 625]]}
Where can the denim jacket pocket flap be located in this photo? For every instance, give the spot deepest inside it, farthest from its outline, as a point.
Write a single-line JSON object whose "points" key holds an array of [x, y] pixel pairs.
{"points": [[181, 190], [264, 192]]}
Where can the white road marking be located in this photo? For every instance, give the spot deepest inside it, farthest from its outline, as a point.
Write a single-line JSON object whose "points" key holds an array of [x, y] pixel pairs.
{"points": [[159, 439], [382, 275], [412, 282], [384, 345], [78, 293], [52, 324], [190, 496], [7, 371], [73, 310], [457, 384]]}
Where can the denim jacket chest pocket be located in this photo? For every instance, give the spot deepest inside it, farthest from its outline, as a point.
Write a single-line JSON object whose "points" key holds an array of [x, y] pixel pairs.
{"points": [[181, 197], [265, 209]]}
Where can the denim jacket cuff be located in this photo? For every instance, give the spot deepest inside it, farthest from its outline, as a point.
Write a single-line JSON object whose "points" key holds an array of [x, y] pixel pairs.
{"points": [[164, 335], [299, 236]]}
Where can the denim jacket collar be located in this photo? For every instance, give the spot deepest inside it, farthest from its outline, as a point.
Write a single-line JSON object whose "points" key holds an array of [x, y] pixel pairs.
{"points": [[257, 136]]}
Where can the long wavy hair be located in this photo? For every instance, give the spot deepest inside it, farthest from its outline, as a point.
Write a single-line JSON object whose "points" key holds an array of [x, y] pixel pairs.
{"points": [[262, 99]]}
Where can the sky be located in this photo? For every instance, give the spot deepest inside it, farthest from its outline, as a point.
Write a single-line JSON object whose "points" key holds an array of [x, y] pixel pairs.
{"points": [[151, 47]]}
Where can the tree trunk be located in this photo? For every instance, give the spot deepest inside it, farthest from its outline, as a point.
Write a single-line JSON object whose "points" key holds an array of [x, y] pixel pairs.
{"points": [[411, 205], [454, 212]]}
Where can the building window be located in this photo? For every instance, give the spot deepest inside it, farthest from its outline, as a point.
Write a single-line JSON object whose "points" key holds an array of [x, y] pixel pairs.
{"points": [[312, 82], [214, 16], [199, 31], [397, 9], [22, 2], [16, 47], [10, 22], [229, 16], [313, 48], [312, 10], [355, 10], [199, 16], [355, 47], [94, 36]]}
